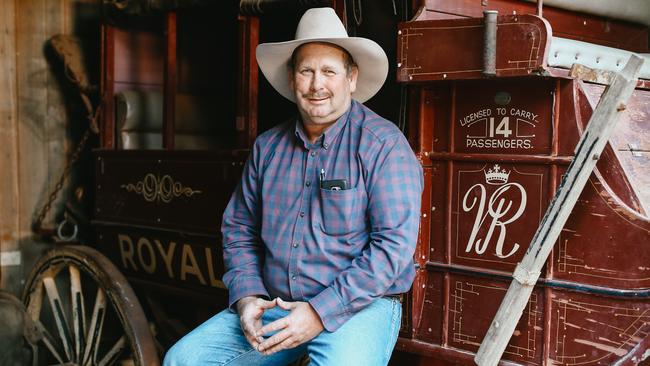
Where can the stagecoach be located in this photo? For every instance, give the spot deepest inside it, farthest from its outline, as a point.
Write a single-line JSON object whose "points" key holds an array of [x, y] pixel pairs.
{"points": [[494, 127]]}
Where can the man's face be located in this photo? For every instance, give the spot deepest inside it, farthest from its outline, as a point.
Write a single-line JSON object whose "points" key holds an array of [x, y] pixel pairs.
{"points": [[321, 83]]}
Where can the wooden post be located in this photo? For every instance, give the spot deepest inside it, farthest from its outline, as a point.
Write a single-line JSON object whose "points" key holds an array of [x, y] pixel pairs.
{"points": [[169, 94], [587, 152], [9, 185], [107, 127], [247, 80]]}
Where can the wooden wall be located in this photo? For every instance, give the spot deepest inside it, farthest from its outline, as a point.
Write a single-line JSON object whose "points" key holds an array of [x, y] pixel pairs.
{"points": [[35, 121]]}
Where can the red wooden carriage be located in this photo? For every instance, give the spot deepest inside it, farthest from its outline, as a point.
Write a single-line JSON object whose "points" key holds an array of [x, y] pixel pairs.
{"points": [[182, 102]]}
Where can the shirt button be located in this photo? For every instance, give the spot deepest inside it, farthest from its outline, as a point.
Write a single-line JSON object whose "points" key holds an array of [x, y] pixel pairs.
{"points": [[313, 153], [308, 183], [325, 145], [293, 277], [302, 214], [295, 245]]}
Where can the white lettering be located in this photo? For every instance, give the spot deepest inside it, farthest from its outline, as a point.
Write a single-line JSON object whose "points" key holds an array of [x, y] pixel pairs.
{"points": [[151, 266], [190, 267], [496, 211], [166, 255], [126, 250]]}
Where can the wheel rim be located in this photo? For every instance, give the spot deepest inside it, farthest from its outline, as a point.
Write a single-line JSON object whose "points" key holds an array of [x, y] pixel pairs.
{"points": [[65, 284]]}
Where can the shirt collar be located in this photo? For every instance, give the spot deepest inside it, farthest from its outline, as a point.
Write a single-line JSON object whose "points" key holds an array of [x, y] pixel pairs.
{"points": [[327, 138]]}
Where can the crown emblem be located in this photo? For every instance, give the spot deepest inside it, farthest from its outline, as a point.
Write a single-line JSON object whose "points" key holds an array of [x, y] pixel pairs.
{"points": [[496, 176]]}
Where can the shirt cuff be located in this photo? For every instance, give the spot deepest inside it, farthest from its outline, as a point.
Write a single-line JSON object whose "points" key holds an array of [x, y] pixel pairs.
{"points": [[245, 286], [329, 307]]}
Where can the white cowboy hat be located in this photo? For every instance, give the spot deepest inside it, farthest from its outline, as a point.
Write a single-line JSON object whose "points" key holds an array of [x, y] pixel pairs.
{"points": [[323, 25]]}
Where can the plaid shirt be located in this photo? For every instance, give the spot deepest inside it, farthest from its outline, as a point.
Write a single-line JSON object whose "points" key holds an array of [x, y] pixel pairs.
{"points": [[284, 236]]}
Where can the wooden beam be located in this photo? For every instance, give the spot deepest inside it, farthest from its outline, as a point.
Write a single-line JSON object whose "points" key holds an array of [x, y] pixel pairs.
{"points": [[169, 93], [107, 125], [9, 188], [589, 148], [247, 80]]}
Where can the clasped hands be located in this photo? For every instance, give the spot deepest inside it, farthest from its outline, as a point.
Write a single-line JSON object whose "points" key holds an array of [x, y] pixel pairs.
{"points": [[299, 326]]}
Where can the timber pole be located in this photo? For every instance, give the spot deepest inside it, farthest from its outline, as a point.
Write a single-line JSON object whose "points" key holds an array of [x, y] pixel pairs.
{"points": [[590, 146]]}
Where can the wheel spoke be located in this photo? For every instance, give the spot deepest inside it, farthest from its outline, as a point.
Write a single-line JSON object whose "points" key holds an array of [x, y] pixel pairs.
{"points": [[95, 330], [115, 351], [35, 302], [59, 315], [48, 340], [78, 311]]}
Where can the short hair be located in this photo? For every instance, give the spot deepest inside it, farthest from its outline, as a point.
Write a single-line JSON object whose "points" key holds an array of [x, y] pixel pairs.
{"points": [[348, 61]]}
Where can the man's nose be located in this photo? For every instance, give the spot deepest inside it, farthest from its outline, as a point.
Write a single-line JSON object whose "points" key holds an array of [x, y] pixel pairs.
{"points": [[317, 81]]}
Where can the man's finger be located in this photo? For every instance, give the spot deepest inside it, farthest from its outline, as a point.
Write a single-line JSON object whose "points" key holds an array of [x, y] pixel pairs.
{"points": [[266, 304], [251, 340], [250, 331], [286, 305], [273, 326], [286, 344], [277, 338]]}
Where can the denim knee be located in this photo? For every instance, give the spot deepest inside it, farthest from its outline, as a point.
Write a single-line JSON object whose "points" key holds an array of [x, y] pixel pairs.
{"points": [[179, 354]]}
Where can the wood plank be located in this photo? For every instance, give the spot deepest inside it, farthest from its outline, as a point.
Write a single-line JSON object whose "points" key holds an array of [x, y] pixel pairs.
{"points": [[169, 93], [9, 188], [247, 81], [589, 148], [36, 127], [34, 120]]}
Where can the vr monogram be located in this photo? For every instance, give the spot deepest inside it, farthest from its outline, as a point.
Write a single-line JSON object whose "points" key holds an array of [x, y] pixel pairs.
{"points": [[497, 210]]}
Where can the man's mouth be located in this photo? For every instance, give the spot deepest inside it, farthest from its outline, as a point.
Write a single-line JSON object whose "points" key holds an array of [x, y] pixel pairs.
{"points": [[316, 97]]}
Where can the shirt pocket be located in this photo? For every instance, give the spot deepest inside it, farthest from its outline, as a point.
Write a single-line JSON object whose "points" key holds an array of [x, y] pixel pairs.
{"points": [[343, 212]]}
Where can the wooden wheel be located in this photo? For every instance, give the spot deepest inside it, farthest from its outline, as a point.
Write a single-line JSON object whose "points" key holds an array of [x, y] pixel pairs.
{"points": [[86, 311]]}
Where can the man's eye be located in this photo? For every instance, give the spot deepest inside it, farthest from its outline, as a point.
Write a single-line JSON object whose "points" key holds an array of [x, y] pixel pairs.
{"points": [[330, 72], [305, 72]]}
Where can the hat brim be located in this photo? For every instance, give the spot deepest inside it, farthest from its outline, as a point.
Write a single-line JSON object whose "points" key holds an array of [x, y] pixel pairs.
{"points": [[368, 55]]}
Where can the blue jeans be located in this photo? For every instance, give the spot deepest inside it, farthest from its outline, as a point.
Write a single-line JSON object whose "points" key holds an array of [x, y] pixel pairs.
{"points": [[366, 339]]}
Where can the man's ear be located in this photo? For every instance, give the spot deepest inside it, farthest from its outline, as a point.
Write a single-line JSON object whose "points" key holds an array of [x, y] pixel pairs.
{"points": [[354, 74]]}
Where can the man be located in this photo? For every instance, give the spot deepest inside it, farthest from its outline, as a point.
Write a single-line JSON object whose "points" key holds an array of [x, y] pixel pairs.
{"points": [[319, 235]]}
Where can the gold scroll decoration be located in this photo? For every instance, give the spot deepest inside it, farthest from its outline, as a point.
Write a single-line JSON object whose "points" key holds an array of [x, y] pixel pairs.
{"points": [[156, 188]]}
